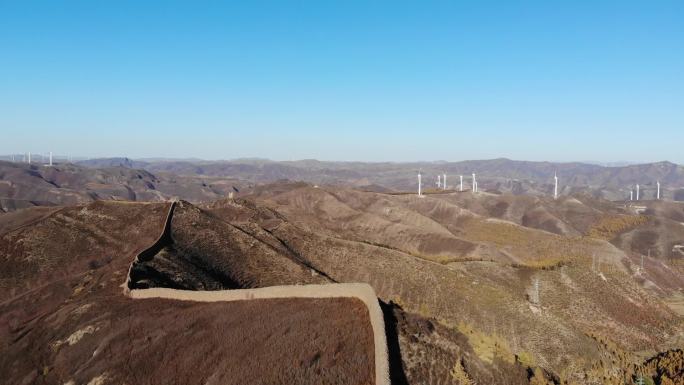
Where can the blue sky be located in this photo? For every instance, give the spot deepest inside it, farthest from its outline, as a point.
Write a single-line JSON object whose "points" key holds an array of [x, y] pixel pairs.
{"points": [[344, 80]]}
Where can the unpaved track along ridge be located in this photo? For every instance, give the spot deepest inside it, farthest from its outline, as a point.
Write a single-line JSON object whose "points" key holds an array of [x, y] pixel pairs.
{"points": [[362, 291]]}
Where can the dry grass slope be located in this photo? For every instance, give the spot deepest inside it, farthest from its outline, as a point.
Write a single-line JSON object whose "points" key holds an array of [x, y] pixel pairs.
{"points": [[610, 226]]}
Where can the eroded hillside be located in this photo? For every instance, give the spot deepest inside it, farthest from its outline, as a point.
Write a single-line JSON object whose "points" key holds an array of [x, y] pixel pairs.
{"points": [[472, 291], [28, 185]]}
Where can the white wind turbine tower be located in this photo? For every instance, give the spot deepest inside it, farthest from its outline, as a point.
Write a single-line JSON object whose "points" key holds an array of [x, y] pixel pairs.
{"points": [[637, 195], [474, 184], [555, 186], [50, 158], [444, 181], [461, 183], [439, 181], [420, 193], [29, 157], [658, 193]]}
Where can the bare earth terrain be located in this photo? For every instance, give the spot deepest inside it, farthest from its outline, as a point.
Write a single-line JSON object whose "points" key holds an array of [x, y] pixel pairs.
{"points": [[76, 325], [488, 288], [23, 185]]}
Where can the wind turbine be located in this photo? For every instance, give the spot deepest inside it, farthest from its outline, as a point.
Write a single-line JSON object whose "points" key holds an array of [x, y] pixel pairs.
{"points": [[444, 181], [631, 195], [555, 186], [461, 183], [474, 189], [419, 185], [637, 192], [439, 181], [658, 193]]}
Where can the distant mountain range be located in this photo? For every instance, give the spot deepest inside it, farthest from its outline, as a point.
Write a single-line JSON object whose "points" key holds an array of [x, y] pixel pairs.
{"points": [[24, 185], [496, 175]]}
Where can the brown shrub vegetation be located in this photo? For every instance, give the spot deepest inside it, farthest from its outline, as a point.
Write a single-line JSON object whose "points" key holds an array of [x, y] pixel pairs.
{"points": [[610, 226], [667, 368]]}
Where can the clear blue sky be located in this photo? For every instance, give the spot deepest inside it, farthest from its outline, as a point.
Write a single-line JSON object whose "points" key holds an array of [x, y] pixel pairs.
{"points": [[344, 80]]}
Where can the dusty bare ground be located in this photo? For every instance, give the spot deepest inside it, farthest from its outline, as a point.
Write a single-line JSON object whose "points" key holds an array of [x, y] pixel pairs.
{"points": [[147, 263], [276, 341], [361, 292], [480, 318], [158, 341], [489, 300], [66, 319]]}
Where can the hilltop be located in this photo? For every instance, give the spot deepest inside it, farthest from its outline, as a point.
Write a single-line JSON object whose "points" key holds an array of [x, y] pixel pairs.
{"points": [[25, 185], [506, 286], [482, 287]]}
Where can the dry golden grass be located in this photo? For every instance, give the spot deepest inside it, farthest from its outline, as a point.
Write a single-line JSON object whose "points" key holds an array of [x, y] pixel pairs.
{"points": [[676, 303], [538, 378], [610, 226], [526, 359], [667, 367], [459, 374], [487, 346], [534, 248]]}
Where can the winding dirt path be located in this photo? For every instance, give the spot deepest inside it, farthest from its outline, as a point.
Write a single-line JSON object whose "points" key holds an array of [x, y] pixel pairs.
{"points": [[362, 291]]}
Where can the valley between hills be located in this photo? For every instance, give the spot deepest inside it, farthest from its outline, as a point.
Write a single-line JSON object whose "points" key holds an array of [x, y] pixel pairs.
{"points": [[503, 286]]}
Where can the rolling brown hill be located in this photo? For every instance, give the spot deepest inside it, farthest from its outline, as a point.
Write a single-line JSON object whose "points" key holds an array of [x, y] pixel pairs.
{"points": [[64, 317], [381, 239], [485, 288], [494, 175], [23, 185]]}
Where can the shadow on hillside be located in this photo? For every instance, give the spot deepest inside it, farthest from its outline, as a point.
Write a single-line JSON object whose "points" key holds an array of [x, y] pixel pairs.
{"points": [[396, 367], [169, 265]]}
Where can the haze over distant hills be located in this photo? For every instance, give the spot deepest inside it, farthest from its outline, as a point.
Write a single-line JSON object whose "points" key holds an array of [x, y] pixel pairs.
{"points": [[25, 185], [503, 175], [476, 288], [447, 267]]}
